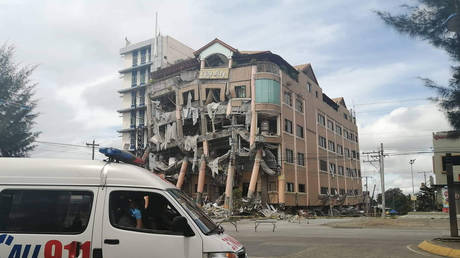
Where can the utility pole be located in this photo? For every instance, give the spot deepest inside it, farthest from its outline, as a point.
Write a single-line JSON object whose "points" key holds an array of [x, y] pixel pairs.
{"points": [[424, 175], [411, 162], [368, 195], [378, 156], [93, 145]]}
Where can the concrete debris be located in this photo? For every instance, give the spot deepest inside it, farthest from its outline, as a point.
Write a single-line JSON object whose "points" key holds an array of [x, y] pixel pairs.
{"points": [[214, 164], [190, 143]]}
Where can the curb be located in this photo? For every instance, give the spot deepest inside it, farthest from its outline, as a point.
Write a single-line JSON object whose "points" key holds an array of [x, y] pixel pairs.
{"points": [[439, 250]]}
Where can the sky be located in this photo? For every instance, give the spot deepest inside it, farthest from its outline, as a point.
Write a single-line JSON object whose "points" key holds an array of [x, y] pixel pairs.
{"points": [[353, 53]]}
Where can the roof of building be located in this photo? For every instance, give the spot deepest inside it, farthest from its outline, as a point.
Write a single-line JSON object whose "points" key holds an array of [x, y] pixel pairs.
{"points": [[175, 68], [26, 171], [132, 47], [340, 101], [216, 40], [308, 70]]}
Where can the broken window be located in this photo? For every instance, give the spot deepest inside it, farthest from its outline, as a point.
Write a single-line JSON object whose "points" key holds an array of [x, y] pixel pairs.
{"points": [[186, 97], [267, 67], [290, 187], [287, 98], [212, 95], [333, 191], [268, 124], [332, 168], [287, 125], [300, 159], [302, 188], [322, 165], [167, 101], [299, 104], [289, 156], [299, 131], [216, 60], [240, 91], [324, 190]]}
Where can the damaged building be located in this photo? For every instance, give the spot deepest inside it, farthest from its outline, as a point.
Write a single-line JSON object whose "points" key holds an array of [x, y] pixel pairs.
{"points": [[227, 119]]}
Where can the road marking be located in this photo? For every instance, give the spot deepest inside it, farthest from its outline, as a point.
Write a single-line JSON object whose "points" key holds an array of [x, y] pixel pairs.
{"points": [[415, 251]]}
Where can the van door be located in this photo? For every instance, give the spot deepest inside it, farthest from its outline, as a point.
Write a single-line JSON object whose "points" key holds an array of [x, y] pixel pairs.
{"points": [[137, 223], [46, 221]]}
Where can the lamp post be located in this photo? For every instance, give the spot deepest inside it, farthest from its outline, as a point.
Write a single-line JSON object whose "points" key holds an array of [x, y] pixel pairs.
{"points": [[411, 162]]}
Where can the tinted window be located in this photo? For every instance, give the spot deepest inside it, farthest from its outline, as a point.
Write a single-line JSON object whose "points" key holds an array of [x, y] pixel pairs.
{"points": [[45, 211]]}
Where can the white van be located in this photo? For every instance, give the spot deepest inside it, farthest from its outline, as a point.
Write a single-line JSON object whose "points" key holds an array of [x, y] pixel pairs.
{"points": [[76, 208]]}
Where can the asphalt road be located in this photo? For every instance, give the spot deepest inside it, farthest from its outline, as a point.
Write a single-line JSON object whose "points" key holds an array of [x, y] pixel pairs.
{"points": [[317, 240]]}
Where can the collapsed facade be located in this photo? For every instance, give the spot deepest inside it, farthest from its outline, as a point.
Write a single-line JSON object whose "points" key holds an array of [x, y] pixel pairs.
{"points": [[227, 119]]}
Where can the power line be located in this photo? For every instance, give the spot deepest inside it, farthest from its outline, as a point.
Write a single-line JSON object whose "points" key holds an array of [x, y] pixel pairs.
{"points": [[62, 144]]}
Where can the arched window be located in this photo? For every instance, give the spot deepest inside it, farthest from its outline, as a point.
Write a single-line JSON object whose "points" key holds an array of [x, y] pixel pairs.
{"points": [[216, 60]]}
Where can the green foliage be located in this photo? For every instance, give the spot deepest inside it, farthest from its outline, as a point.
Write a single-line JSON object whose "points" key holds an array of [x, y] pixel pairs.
{"points": [[16, 106], [426, 199], [396, 199], [426, 21]]}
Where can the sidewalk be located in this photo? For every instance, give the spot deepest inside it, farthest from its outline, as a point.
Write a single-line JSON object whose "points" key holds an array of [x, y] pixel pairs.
{"points": [[448, 247]]}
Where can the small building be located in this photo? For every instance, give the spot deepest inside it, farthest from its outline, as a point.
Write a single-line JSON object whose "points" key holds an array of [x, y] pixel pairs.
{"points": [[445, 142], [226, 119]]}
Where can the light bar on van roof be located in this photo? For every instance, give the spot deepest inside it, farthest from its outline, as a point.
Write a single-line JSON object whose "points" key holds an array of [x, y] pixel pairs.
{"points": [[120, 155]]}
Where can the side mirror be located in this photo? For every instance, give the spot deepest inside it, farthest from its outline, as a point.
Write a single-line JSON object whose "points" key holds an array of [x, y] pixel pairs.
{"points": [[180, 225]]}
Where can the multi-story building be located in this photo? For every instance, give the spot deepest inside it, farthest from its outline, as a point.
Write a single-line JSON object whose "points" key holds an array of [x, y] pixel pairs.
{"points": [[227, 119], [140, 60]]}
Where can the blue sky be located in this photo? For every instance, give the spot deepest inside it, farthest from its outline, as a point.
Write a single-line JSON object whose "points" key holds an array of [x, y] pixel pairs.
{"points": [[354, 55]]}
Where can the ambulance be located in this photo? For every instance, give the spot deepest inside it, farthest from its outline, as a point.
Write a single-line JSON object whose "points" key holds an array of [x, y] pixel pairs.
{"points": [[77, 208]]}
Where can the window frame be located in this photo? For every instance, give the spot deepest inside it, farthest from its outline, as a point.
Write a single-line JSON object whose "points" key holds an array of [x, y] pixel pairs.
{"points": [[289, 156], [299, 129], [301, 159], [299, 104], [287, 98], [240, 89], [288, 125]]}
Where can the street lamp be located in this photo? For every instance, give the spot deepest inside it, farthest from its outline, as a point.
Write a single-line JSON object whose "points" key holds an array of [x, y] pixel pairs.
{"points": [[411, 162]]}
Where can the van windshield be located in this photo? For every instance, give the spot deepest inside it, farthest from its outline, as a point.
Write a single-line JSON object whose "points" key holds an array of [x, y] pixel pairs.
{"points": [[205, 224]]}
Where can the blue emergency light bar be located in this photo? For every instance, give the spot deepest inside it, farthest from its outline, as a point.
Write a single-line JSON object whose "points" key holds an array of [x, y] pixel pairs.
{"points": [[120, 155]]}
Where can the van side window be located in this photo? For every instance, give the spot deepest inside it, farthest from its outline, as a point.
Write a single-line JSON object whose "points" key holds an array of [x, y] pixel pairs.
{"points": [[45, 211], [141, 211]]}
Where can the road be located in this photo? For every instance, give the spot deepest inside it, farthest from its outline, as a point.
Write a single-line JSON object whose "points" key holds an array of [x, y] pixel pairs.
{"points": [[317, 240]]}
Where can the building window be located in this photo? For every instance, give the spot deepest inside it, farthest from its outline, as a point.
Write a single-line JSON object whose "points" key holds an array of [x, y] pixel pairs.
{"points": [[316, 94], [135, 58], [289, 156], [299, 131], [333, 191], [342, 191], [44, 212], [345, 133], [350, 192], [134, 78], [143, 56], [331, 146], [332, 168], [267, 91], [356, 192], [300, 159], [353, 154], [309, 86], [142, 76], [141, 117], [352, 137], [133, 119], [348, 172], [290, 187], [330, 125], [240, 91], [287, 125], [301, 188], [132, 141], [322, 141], [133, 99], [345, 116], [142, 98], [340, 172], [359, 173], [266, 67], [287, 98], [321, 120], [339, 149], [338, 129], [299, 104], [324, 190], [347, 152], [322, 165]]}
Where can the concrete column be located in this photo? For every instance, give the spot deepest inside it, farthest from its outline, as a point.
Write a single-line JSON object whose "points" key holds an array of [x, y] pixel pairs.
{"points": [[259, 186], [253, 131], [281, 189], [201, 179], [229, 186], [205, 148], [255, 174], [183, 169]]}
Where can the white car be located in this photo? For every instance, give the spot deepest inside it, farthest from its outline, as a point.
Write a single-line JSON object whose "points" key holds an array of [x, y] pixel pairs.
{"points": [[76, 208]]}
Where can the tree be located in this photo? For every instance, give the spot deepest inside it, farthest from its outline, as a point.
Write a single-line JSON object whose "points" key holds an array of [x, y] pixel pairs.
{"points": [[396, 199], [16, 106], [427, 22], [426, 199]]}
